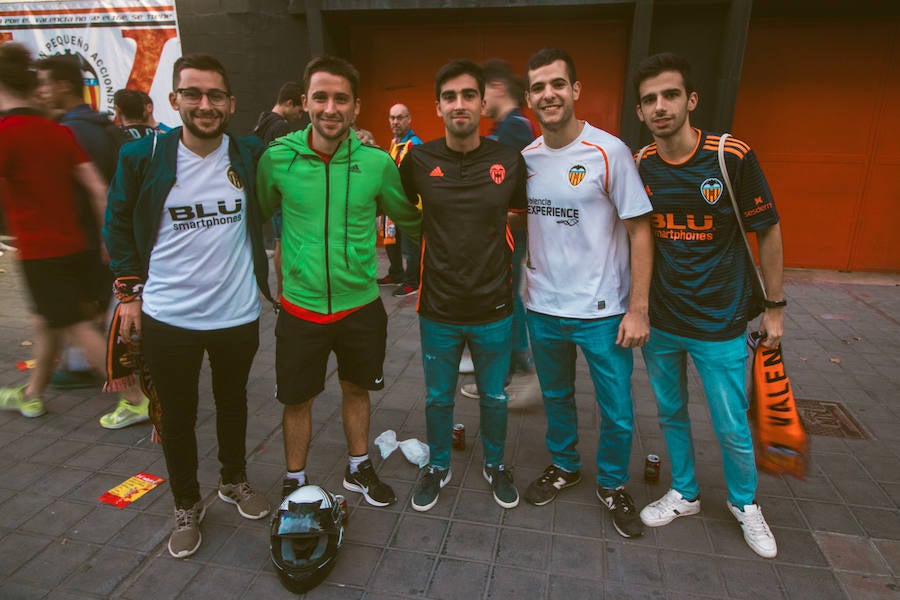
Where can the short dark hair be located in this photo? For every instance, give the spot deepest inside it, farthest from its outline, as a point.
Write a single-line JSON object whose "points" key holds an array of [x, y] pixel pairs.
{"points": [[145, 97], [455, 68], [660, 63], [201, 62], [334, 65], [16, 71], [64, 67], [495, 69], [130, 103], [290, 91], [547, 56]]}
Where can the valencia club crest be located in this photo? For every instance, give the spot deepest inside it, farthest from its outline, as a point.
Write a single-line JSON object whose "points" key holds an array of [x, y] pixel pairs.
{"points": [[576, 174], [711, 189]]}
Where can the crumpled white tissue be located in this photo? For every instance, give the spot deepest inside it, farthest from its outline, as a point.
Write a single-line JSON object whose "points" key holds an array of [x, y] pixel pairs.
{"points": [[414, 450]]}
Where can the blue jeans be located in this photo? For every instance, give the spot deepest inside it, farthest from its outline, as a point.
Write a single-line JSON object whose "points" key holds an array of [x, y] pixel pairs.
{"points": [[395, 258], [410, 251], [442, 346], [519, 327], [723, 370], [553, 345]]}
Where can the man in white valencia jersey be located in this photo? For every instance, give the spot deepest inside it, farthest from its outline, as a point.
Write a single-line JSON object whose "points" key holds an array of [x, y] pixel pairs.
{"points": [[589, 237], [184, 238]]}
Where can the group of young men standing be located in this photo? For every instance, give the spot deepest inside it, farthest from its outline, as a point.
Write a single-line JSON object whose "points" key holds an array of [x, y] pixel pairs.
{"points": [[608, 269]]}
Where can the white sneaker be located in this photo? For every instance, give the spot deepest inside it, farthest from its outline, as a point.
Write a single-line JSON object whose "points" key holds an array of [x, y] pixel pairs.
{"points": [[756, 531], [668, 508], [470, 390]]}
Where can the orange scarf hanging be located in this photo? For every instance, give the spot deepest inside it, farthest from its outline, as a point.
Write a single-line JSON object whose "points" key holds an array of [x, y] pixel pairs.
{"points": [[782, 444]]}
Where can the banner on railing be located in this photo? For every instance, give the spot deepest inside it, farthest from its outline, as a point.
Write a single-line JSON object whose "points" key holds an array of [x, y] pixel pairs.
{"points": [[119, 43]]}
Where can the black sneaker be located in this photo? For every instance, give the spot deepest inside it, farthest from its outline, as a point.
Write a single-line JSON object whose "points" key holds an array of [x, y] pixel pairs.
{"points": [[288, 486], [427, 491], [625, 516], [388, 280], [546, 488], [505, 492], [366, 482], [404, 290]]}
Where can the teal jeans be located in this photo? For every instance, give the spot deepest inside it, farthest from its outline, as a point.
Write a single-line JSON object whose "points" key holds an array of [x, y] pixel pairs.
{"points": [[723, 371], [442, 346]]}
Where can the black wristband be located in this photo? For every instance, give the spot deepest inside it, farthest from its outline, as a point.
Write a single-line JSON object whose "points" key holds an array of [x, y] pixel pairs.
{"points": [[774, 303]]}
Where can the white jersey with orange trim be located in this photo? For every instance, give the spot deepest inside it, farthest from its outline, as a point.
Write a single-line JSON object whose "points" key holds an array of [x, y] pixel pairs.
{"points": [[578, 252]]}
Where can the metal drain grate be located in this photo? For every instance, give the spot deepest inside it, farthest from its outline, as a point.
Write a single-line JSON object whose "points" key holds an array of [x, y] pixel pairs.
{"points": [[821, 417]]}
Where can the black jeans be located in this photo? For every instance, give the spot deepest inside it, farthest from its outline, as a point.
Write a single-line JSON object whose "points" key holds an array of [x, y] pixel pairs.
{"points": [[174, 356]]}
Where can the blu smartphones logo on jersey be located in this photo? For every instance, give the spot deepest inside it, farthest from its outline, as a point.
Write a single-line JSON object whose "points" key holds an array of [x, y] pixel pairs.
{"points": [[576, 174], [670, 226], [198, 217], [711, 189]]}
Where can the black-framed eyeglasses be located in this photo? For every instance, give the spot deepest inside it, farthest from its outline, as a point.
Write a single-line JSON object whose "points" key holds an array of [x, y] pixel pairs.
{"points": [[194, 96]]}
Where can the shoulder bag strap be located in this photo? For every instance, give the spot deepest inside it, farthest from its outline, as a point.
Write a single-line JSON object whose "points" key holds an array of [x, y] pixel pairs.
{"points": [[737, 210], [637, 161]]}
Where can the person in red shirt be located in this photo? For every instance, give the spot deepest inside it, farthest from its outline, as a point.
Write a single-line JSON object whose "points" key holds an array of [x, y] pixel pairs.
{"points": [[40, 164]]}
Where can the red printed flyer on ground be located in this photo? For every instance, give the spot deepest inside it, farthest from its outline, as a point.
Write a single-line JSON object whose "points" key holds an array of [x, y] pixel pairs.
{"points": [[131, 489]]}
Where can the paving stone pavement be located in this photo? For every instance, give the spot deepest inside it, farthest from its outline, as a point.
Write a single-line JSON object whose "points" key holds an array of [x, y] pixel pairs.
{"points": [[838, 531]]}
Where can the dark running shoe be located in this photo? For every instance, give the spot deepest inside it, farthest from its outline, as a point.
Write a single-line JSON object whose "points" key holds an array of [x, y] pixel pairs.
{"points": [[288, 486], [546, 488], [505, 492], [388, 280], [366, 482], [404, 290], [428, 490], [625, 516]]}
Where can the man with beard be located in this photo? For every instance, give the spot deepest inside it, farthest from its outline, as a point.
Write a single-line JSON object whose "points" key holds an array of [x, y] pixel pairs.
{"points": [[329, 187], [185, 242], [588, 273], [472, 191]]}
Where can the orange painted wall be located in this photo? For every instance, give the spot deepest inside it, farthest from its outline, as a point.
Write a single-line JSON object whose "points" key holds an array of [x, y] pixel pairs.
{"points": [[398, 64], [817, 104]]}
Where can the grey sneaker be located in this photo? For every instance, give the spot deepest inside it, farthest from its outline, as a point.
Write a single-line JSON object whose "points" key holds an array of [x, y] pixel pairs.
{"points": [[618, 502], [250, 504], [546, 488], [186, 538]]}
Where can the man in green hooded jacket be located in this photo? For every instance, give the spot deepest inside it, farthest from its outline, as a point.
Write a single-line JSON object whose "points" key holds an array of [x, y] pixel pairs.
{"points": [[330, 187]]}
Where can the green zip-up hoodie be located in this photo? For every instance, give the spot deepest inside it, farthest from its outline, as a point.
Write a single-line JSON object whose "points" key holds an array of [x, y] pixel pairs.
{"points": [[328, 253]]}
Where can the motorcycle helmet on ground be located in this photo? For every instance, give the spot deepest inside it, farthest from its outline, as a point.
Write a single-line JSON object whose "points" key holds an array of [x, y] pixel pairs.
{"points": [[307, 531]]}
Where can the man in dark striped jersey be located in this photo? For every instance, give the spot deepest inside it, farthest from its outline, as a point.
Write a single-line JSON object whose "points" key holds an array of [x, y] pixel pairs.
{"points": [[701, 288]]}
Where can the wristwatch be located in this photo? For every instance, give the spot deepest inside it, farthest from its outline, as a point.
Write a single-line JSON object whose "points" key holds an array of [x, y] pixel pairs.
{"points": [[774, 303]]}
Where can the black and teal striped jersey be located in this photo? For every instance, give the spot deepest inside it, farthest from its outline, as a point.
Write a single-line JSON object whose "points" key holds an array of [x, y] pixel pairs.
{"points": [[702, 278]]}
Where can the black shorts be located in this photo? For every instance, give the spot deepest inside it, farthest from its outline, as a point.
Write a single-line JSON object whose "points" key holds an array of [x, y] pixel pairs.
{"points": [[302, 349], [64, 289]]}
